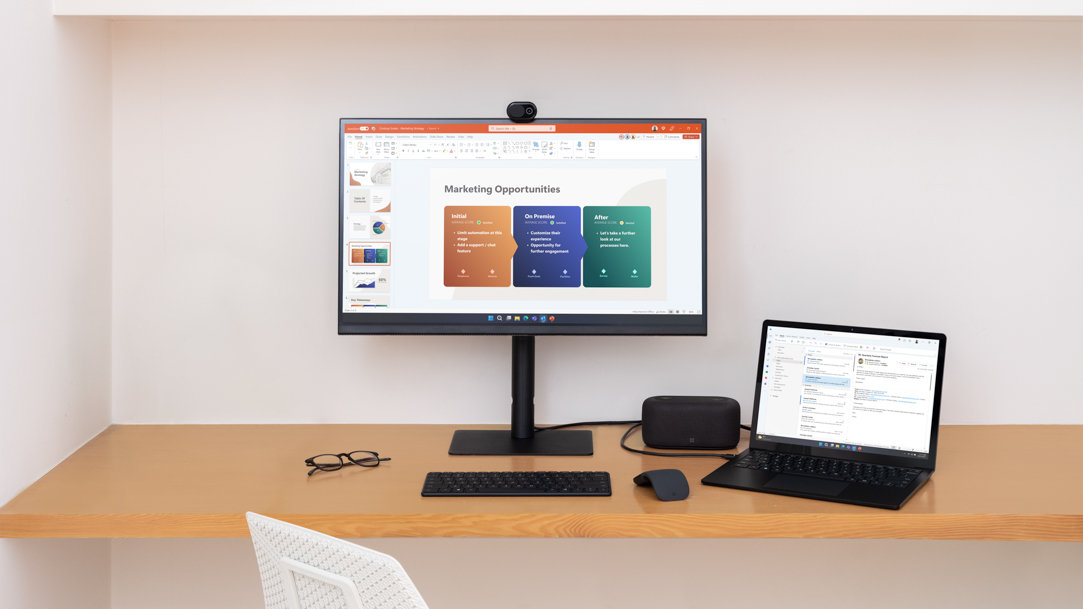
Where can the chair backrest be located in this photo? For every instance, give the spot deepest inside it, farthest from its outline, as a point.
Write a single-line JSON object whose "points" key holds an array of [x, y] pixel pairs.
{"points": [[305, 569]]}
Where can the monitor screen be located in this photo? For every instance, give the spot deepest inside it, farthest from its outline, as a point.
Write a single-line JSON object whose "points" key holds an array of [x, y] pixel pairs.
{"points": [[484, 226]]}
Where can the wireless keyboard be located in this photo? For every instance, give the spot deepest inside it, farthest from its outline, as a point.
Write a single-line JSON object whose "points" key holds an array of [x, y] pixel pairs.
{"points": [[517, 484]]}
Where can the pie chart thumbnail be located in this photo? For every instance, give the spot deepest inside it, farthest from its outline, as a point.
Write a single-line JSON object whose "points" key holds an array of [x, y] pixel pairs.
{"points": [[379, 228]]}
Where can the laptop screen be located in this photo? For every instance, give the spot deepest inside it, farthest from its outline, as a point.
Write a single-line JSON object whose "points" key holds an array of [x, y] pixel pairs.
{"points": [[852, 389]]}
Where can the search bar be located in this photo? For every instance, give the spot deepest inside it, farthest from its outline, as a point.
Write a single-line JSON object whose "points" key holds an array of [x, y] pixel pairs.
{"points": [[522, 128]]}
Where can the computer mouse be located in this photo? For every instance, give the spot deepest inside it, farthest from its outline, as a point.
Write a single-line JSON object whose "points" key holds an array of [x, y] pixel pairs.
{"points": [[668, 484]]}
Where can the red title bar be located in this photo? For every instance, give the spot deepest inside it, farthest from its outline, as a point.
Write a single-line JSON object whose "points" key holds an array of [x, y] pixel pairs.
{"points": [[525, 128]]}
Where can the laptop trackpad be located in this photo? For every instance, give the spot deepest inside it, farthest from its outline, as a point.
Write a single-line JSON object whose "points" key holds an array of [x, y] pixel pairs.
{"points": [[802, 484]]}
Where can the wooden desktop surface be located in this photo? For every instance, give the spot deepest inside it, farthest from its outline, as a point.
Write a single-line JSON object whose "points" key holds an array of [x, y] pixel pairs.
{"points": [[992, 482]]}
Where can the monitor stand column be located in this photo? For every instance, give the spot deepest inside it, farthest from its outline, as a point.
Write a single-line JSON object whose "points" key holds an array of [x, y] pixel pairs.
{"points": [[522, 439]]}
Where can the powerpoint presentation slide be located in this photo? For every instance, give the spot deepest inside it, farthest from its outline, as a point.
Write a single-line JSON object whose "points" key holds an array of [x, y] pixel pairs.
{"points": [[478, 246], [370, 254], [370, 174], [576, 234], [368, 226], [618, 241], [369, 200], [371, 279], [362, 301], [550, 246]]}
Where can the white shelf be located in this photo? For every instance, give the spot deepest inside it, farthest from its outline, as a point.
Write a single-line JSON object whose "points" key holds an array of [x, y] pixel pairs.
{"points": [[567, 8]]}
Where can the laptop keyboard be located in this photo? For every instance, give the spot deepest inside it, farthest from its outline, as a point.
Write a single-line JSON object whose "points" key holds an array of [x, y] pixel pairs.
{"points": [[831, 469]]}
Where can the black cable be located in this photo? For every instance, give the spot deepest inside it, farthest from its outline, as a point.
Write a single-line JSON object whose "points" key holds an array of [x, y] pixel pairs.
{"points": [[657, 454], [583, 424], [634, 425], [586, 423]]}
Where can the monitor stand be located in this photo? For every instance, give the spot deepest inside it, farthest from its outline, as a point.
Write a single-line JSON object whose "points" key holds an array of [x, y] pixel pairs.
{"points": [[522, 440]]}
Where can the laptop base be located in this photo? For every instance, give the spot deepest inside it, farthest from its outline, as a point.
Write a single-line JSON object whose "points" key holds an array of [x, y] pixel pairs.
{"points": [[810, 487]]}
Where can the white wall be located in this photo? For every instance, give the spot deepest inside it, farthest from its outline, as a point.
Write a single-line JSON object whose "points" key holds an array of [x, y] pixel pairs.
{"points": [[914, 173], [55, 271]]}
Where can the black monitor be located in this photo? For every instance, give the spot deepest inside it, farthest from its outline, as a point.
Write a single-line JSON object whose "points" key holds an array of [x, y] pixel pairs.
{"points": [[558, 227]]}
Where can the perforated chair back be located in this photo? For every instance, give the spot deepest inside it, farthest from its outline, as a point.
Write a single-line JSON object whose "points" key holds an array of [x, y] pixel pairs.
{"points": [[304, 569]]}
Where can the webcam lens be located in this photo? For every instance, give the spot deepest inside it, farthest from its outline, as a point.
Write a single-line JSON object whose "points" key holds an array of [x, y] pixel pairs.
{"points": [[522, 112]]}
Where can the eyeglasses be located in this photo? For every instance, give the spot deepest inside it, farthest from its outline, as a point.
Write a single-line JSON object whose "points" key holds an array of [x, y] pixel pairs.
{"points": [[330, 463]]}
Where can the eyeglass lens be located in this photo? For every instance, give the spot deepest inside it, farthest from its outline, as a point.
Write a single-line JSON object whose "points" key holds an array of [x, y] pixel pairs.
{"points": [[327, 462], [364, 458]]}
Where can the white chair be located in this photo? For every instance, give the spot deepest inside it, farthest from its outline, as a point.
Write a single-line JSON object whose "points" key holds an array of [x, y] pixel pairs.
{"points": [[304, 569]]}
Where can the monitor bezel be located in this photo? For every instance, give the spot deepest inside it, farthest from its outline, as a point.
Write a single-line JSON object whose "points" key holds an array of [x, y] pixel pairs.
{"points": [[477, 323]]}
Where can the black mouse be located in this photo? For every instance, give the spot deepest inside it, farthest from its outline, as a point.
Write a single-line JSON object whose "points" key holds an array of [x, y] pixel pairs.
{"points": [[668, 484]]}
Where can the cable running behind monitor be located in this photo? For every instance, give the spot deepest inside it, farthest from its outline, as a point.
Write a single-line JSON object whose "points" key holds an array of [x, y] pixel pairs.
{"points": [[559, 227]]}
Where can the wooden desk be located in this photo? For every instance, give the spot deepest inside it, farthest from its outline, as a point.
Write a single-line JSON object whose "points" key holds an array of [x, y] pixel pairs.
{"points": [[992, 482]]}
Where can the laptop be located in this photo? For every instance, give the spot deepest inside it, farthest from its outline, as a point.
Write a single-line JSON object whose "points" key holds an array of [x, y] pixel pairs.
{"points": [[841, 414]]}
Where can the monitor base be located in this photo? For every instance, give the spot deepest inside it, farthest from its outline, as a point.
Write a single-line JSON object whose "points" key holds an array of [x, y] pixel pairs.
{"points": [[500, 442]]}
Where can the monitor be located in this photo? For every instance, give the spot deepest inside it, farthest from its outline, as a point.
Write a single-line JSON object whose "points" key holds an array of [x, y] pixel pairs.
{"points": [[557, 227]]}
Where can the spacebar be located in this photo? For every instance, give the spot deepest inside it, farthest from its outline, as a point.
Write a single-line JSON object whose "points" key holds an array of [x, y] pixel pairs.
{"points": [[504, 491]]}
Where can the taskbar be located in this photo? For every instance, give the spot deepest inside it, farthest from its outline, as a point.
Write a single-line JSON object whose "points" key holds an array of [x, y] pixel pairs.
{"points": [[858, 449], [525, 323]]}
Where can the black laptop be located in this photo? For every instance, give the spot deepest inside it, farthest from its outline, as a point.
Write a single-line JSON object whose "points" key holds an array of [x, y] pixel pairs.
{"points": [[841, 414]]}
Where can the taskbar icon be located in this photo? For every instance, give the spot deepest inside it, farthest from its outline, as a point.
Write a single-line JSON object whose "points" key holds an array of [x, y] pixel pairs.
{"points": [[532, 318]]}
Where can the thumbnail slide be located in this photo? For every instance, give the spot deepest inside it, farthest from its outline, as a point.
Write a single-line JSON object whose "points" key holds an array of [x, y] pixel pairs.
{"points": [[367, 226], [478, 246], [374, 279], [366, 200], [370, 174], [363, 301], [364, 254], [618, 246], [550, 246]]}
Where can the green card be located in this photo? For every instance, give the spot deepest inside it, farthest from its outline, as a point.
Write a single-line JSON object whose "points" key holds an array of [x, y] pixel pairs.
{"points": [[618, 246]]}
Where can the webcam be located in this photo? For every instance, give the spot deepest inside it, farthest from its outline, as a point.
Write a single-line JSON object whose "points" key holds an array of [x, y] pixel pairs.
{"points": [[522, 111]]}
